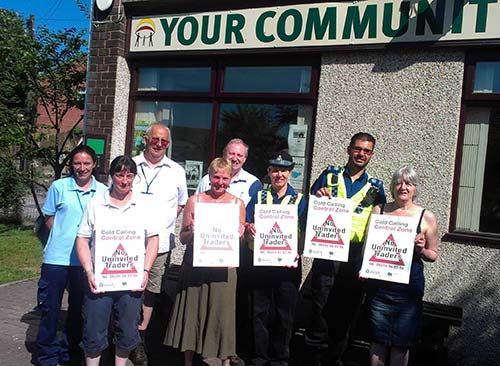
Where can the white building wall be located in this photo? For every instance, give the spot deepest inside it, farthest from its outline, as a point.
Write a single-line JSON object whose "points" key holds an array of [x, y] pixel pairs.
{"points": [[409, 99]]}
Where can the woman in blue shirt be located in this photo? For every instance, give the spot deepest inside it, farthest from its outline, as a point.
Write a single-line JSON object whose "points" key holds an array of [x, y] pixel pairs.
{"points": [[63, 210]]}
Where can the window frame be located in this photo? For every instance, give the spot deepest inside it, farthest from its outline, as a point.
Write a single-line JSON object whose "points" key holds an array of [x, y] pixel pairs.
{"points": [[217, 96], [470, 99]]}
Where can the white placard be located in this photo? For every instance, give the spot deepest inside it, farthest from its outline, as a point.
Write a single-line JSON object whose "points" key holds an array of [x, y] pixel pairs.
{"points": [[119, 257], [328, 229], [275, 242], [216, 235], [389, 248]]}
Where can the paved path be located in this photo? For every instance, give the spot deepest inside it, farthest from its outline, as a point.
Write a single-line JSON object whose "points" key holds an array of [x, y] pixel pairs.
{"points": [[19, 322]]}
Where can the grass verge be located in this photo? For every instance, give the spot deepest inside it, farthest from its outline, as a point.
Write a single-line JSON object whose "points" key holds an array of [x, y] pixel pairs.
{"points": [[20, 253]]}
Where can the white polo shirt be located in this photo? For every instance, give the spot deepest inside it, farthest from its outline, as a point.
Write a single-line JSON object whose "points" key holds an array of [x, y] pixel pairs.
{"points": [[101, 211], [163, 187], [242, 185]]}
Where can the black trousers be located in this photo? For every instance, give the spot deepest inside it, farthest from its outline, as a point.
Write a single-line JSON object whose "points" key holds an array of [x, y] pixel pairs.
{"points": [[322, 280], [274, 297], [337, 295], [244, 335]]}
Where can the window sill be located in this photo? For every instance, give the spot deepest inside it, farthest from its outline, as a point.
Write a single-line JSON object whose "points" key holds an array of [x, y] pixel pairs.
{"points": [[473, 238]]}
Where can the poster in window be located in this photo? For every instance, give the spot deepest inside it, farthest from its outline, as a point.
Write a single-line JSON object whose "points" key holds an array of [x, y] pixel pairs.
{"points": [[389, 248], [296, 179], [297, 135], [194, 170], [139, 132]]}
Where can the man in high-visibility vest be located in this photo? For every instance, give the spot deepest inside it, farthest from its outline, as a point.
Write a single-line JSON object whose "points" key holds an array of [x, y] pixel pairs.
{"points": [[275, 289], [336, 290]]}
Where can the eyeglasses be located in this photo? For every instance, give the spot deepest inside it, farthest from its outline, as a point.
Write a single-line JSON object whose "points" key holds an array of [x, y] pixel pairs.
{"points": [[358, 149], [156, 140]]}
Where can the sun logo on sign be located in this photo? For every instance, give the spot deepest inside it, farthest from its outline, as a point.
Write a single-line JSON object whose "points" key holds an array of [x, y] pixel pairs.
{"points": [[144, 31]]}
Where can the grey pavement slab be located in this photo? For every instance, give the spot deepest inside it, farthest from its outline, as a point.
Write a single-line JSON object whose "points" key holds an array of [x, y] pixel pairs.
{"points": [[19, 322]]}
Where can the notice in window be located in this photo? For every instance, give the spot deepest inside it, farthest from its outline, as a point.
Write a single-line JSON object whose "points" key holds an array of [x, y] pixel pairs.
{"points": [[297, 135], [296, 179], [194, 169]]}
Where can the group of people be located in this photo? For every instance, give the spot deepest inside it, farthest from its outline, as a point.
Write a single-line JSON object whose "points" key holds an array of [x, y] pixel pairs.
{"points": [[220, 312]]}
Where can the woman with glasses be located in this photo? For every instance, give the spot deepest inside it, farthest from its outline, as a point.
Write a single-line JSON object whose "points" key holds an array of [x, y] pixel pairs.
{"points": [[119, 209], [395, 309], [63, 210]]}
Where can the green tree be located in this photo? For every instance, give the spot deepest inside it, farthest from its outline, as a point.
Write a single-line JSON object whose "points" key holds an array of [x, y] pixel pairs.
{"points": [[16, 56], [51, 74]]}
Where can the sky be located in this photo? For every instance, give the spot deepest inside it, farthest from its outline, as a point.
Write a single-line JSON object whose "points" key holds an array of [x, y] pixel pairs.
{"points": [[54, 14]]}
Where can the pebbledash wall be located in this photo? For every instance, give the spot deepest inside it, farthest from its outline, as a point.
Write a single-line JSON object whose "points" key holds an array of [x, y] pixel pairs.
{"points": [[400, 96], [410, 98]]}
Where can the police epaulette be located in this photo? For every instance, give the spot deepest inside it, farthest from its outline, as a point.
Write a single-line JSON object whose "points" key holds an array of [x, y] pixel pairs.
{"points": [[334, 169], [375, 182]]}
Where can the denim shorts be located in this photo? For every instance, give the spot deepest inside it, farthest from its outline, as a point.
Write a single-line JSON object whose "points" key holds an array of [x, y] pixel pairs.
{"points": [[125, 306], [394, 320]]}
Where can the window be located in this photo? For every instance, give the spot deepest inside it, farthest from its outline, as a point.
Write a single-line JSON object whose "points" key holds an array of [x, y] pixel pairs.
{"points": [[189, 79], [270, 106], [477, 206]]}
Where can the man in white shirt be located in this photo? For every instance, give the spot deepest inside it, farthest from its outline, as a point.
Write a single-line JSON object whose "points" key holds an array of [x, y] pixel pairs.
{"points": [[243, 184], [162, 184]]}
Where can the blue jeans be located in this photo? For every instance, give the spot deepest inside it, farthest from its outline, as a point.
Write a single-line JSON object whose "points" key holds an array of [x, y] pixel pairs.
{"points": [[125, 306], [54, 279]]}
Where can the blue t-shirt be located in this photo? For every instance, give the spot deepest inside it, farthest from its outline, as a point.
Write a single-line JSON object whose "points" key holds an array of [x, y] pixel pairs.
{"points": [[66, 201]]}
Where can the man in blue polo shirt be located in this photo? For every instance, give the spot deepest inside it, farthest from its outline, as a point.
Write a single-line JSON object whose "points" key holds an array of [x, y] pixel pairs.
{"points": [[336, 290]]}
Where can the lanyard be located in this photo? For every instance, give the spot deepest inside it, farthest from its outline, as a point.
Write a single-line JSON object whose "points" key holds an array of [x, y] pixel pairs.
{"points": [[80, 201], [148, 184]]}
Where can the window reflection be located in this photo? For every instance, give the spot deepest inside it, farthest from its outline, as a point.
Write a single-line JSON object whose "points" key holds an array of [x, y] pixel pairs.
{"points": [[267, 79], [191, 79], [267, 128], [487, 77], [189, 123]]}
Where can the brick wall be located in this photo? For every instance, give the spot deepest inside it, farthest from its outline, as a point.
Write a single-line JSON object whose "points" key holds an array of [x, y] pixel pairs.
{"points": [[106, 45]]}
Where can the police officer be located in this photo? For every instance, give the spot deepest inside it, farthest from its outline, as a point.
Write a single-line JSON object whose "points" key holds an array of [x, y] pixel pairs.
{"points": [[275, 289], [336, 290]]}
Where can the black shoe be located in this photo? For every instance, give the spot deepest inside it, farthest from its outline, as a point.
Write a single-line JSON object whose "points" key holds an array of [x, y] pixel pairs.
{"points": [[138, 356]]}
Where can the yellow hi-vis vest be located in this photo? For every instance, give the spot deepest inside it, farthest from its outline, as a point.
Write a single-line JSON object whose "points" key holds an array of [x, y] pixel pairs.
{"points": [[266, 197], [363, 201]]}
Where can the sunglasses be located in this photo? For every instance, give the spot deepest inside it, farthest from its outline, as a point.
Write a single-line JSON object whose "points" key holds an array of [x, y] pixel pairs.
{"points": [[158, 140]]}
